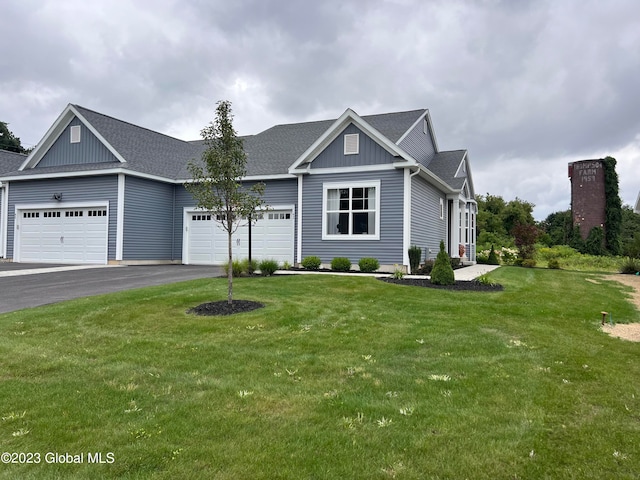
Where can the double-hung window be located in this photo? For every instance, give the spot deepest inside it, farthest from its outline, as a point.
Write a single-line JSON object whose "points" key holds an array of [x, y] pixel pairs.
{"points": [[351, 211]]}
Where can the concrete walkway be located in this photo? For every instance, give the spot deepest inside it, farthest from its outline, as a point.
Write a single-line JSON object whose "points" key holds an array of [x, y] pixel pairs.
{"points": [[473, 271]]}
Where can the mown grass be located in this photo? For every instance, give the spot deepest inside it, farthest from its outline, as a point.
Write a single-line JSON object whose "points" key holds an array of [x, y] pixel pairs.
{"points": [[337, 377]]}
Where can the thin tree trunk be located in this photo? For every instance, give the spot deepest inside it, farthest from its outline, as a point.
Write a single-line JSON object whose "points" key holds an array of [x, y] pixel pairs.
{"points": [[230, 269]]}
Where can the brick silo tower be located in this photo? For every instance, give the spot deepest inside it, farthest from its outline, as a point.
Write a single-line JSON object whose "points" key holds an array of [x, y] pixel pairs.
{"points": [[587, 195]]}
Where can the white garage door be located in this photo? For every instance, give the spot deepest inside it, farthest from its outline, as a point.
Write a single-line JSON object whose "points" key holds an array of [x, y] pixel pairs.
{"points": [[62, 235], [271, 238]]}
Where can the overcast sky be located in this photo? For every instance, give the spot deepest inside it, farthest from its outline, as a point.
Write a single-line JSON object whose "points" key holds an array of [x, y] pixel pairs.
{"points": [[524, 86]]}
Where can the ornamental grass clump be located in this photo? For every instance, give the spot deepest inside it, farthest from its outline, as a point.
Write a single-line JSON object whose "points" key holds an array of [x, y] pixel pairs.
{"points": [[442, 272]]}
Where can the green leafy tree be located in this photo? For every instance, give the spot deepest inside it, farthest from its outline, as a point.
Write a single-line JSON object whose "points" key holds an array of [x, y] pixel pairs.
{"points": [[630, 232], [558, 226], [217, 186], [8, 141]]}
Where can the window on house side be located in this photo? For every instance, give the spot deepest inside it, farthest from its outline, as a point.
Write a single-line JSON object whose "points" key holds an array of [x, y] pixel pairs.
{"points": [[351, 211]]}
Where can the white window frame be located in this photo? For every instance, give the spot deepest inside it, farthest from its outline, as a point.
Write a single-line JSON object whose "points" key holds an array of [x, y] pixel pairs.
{"points": [[376, 209], [347, 138]]}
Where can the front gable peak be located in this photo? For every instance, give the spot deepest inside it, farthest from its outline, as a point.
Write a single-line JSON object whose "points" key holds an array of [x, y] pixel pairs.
{"points": [[351, 125], [71, 132]]}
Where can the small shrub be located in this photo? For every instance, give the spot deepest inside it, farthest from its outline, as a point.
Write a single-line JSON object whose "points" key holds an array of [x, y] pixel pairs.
{"points": [[427, 266], [415, 253], [311, 263], [249, 267], [367, 264], [630, 266], [486, 280], [554, 264], [442, 273], [398, 272], [455, 262], [237, 268], [341, 264], [482, 258], [268, 267], [528, 263], [493, 258], [286, 265]]}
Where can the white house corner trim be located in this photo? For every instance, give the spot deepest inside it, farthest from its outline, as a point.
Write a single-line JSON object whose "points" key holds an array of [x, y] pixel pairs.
{"points": [[299, 220], [4, 214], [120, 218], [406, 220]]}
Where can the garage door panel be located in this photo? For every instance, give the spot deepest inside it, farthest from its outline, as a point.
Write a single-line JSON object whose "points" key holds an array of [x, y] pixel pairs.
{"points": [[271, 238], [63, 236]]}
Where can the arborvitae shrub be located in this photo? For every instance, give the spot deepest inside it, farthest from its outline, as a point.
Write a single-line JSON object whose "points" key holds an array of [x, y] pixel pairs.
{"points": [[493, 257], [442, 272], [415, 253]]}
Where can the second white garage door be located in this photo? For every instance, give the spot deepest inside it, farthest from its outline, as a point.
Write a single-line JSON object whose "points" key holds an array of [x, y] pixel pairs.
{"points": [[272, 237], [62, 235]]}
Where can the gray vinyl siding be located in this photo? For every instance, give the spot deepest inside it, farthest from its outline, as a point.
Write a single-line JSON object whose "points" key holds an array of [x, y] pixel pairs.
{"points": [[276, 192], [419, 144], [89, 150], [388, 249], [427, 229], [87, 189], [148, 220], [370, 153]]}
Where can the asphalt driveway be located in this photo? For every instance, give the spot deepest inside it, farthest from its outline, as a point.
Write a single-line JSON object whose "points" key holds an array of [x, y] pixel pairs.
{"points": [[28, 285]]}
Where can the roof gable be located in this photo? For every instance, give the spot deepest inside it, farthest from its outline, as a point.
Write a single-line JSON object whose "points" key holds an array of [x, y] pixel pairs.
{"points": [[365, 124]]}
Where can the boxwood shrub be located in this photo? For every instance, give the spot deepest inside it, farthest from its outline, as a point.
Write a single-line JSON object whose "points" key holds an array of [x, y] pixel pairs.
{"points": [[341, 264], [368, 264], [311, 263]]}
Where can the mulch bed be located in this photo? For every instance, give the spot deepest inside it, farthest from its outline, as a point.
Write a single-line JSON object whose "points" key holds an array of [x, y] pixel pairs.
{"points": [[460, 285], [222, 307]]}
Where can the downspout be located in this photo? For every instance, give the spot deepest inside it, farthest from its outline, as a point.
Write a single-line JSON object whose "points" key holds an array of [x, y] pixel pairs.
{"points": [[173, 225], [407, 219], [2, 220]]}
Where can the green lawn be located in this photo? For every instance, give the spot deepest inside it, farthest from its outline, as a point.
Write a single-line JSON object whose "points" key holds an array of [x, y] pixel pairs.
{"points": [[336, 378]]}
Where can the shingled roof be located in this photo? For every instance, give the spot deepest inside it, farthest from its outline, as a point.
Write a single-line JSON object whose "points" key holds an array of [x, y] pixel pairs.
{"points": [[269, 153], [10, 161]]}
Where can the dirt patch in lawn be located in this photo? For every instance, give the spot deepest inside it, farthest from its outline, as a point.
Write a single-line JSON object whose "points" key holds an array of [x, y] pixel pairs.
{"points": [[626, 331]]}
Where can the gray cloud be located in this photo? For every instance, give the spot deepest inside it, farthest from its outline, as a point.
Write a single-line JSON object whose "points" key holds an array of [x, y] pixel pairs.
{"points": [[526, 86]]}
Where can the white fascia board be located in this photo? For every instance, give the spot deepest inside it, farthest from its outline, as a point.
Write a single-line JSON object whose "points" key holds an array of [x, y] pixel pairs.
{"points": [[436, 181], [54, 133], [43, 146], [90, 173], [356, 169], [250, 178], [432, 131], [410, 129], [57, 205], [349, 116]]}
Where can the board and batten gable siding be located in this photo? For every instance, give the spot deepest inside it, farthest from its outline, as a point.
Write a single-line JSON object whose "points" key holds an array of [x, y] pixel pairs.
{"points": [[419, 144], [427, 228], [276, 192], [148, 220], [81, 189], [388, 249], [370, 153], [88, 150]]}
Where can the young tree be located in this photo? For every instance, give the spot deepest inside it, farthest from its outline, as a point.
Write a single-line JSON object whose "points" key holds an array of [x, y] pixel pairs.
{"points": [[216, 185]]}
